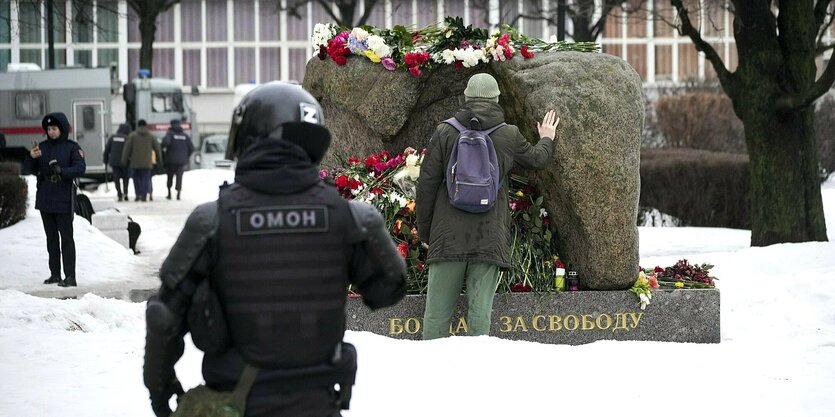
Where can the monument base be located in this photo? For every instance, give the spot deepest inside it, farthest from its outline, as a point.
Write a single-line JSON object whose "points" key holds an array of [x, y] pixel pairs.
{"points": [[573, 318]]}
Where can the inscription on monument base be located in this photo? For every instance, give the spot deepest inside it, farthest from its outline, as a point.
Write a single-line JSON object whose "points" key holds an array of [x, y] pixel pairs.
{"points": [[564, 318]]}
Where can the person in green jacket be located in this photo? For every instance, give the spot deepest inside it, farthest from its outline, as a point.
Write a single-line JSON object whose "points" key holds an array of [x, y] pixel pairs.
{"points": [[469, 247], [142, 151]]}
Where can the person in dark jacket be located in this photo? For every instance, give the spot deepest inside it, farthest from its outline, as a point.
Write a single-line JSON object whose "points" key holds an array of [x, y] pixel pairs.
{"points": [[259, 277], [177, 149], [113, 157], [57, 161], [141, 153], [463, 246]]}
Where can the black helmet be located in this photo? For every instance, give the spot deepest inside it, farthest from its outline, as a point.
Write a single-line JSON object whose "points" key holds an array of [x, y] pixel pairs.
{"points": [[279, 110]]}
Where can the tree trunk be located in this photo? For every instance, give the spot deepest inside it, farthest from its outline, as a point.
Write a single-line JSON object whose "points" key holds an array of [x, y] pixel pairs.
{"points": [[147, 31], [786, 204]]}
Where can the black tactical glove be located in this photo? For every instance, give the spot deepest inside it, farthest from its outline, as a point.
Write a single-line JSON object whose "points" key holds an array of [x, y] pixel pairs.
{"points": [[53, 164], [159, 400]]}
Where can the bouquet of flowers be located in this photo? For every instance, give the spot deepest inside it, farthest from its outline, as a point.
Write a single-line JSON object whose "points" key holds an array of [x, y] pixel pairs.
{"points": [[387, 182], [534, 260], [684, 275], [446, 43]]}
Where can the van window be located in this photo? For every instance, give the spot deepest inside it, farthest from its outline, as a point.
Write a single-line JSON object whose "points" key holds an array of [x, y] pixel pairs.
{"points": [[167, 102], [88, 117], [30, 105]]}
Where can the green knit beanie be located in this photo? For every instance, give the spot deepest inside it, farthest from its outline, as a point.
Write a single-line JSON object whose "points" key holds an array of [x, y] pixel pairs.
{"points": [[482, 85]]}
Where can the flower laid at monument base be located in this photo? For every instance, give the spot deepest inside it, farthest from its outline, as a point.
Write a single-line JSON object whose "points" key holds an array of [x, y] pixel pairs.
{"points": [[543, 313], [385, 90]]}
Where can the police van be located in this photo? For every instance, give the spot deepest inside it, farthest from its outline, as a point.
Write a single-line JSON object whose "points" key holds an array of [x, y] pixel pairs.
{"points": [[85, 95]]}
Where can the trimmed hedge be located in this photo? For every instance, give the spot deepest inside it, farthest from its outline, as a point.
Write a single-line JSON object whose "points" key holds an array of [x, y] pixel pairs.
{"points": [[13, 194], [701, 188], [700, 120]]}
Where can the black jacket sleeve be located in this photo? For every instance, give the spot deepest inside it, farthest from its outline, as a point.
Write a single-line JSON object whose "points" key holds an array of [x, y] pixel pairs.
{"points": [[378, 272]]}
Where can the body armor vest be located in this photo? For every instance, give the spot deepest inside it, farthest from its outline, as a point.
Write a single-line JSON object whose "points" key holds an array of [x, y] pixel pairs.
{"points": [[283, 282]]}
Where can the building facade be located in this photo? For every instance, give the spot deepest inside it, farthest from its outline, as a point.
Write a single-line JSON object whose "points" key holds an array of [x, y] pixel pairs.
{"points": [[218, 44]]}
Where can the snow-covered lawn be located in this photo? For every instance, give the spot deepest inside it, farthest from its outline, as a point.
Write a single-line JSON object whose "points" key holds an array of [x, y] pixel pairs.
{"points": [[83, 357]]}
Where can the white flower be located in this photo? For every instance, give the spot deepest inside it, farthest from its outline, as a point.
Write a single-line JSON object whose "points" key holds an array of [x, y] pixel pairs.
{"points": [[644, 301], [448, 56], [360, 34], [399, 199], [322, 33], [412, 160], [542, 212], [378, 45], [490, 43]]}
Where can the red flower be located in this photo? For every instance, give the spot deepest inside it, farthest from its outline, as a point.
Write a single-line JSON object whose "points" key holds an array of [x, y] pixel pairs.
{"points": [[659, 269], [380, 166], [420, 266], [354, 184], [508, 54], [546, 220], [403, 248], [520, 287], [525, 53], [415, 37], [353, 161], [377, 190], [385, 155], [323, 52], [342, 181], [371, 161], [653, 282], [340, 60], [559, 264], [458, 63], [415, 71], [503, 40]]}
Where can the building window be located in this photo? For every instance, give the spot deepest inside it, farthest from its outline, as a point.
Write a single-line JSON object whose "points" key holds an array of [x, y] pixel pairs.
{"points": [[216, 20], [108, 57], [82, 22], [216, 68], [244, 65], [30, 105], [191, 67], [270, 64], [298, 61], [245, 20], [269, 21], [191, 20], [107, 21], [83, 58]]}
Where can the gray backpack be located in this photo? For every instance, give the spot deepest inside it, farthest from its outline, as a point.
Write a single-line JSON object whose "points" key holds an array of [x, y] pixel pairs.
{"points": [[472, 175]]}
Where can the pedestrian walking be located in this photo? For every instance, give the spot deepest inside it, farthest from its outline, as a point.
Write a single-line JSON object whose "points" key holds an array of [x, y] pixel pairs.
{"points": [[56, 162], [259, 277], [113, 157], [470, 244], [142, 151], [177, 149]]}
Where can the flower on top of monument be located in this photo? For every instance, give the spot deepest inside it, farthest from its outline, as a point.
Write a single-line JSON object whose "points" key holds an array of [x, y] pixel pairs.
{"points": [[449, 42]]}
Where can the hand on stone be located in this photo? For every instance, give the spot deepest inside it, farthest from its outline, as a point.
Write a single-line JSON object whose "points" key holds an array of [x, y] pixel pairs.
{"points": [[548, 127]]}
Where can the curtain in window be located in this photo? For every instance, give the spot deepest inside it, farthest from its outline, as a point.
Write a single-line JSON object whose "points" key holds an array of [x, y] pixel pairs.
{"points": [[191, 23], [216, 69], [245, 20]]}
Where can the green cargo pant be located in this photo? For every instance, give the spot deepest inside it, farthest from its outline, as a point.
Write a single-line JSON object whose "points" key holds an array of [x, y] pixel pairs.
{"points": [[445, 282]]}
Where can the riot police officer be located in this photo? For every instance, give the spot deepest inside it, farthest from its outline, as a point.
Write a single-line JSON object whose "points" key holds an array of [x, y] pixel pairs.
{"points": [[57, 161], [259, 277]]}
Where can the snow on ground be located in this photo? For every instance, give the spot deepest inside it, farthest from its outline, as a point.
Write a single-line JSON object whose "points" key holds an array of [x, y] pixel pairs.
{"points": [[777, 356]]}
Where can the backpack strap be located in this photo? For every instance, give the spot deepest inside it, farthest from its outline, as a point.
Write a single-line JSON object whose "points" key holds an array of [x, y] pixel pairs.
{"points": [[456, 124]]}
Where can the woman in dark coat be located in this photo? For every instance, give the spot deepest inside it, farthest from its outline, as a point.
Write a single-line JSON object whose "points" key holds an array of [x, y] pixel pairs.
{"points": [[57, 161]]}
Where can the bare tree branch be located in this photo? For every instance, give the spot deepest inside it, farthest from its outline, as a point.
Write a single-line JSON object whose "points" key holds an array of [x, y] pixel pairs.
{"points": [[807, 97], [686, 28]]}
